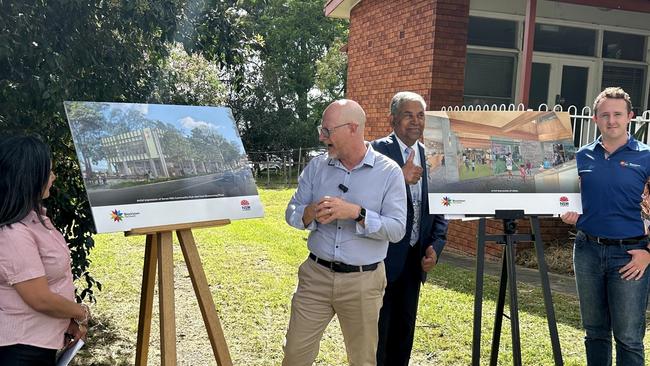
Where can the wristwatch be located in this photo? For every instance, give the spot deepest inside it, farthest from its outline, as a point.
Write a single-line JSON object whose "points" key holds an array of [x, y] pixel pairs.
{"points": [[362, 215]]}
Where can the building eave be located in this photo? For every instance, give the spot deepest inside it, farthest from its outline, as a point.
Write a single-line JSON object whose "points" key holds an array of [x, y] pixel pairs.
{"points": [[340, 8], [639, 6]]}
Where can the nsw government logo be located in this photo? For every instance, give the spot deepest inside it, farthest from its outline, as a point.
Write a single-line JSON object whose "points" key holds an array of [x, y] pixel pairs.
{"points": [[564, 201], [447, 201], [245, 205]]}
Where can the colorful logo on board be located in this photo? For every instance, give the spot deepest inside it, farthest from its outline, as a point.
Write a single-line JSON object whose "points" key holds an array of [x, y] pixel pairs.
{"points": [[245, 205], [117, 215], [447, 201]]}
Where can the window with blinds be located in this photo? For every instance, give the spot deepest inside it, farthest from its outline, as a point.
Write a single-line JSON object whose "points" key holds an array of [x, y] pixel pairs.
{"points": [[623, 46], [566, 40], [491, 32], [631, 79], [489, 79]]}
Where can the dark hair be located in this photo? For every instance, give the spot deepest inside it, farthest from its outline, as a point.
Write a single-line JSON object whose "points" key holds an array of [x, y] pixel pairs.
{"points": [[25, 164]]}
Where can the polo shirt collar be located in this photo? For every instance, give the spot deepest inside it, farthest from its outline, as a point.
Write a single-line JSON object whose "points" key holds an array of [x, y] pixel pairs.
{"points": [[632, 144]]}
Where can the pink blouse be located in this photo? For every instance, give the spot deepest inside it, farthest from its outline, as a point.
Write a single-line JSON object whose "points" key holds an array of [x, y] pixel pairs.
{"points": [[29, 250]]}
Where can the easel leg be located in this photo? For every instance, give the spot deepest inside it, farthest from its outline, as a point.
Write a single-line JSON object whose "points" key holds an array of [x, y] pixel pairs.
{"points": [[478, 294], [546, 289], [146, 300], [166, 295], [498, 315], [514, 306], [206, 303]]}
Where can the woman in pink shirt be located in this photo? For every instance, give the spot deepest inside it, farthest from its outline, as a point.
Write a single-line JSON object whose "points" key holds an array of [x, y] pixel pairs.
{"points": [[38, 314]]}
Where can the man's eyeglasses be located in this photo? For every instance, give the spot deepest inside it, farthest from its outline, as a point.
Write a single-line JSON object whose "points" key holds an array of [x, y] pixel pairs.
{"points": [[327, 132]]}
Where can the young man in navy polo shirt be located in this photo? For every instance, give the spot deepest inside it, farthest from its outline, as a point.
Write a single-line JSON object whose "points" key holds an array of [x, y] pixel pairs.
{"points": [[611, 254]]}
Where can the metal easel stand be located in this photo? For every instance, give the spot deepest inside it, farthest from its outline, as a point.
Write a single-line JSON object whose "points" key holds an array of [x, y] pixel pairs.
{"points": [[509, 238]]}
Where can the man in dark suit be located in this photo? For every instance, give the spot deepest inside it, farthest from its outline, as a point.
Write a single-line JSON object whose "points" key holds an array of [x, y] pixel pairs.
{"points": [[408, 260]]}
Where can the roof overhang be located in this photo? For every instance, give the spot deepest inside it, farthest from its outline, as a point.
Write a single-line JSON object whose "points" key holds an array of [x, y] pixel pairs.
{"points": [[340, 8], [639, 6]]}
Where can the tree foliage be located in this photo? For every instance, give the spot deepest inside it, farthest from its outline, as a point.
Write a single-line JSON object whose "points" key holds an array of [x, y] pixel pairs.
{"points": [[188, 79], [52, 51], [273, 90]]}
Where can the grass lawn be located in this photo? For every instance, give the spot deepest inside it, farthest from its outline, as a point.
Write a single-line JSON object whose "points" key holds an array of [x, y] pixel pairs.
{"points": [[481, 170], [251, 267]]}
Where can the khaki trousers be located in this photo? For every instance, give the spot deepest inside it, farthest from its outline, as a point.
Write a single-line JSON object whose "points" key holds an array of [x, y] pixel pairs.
{"points": [[355, 298]]}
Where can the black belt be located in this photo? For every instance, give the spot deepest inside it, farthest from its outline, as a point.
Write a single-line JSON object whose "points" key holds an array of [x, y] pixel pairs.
{"points": [[342, 267], [626, 241]]}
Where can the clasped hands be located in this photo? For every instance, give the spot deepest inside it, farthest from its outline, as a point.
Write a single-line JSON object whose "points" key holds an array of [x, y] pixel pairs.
{"points": [[328, 209], [635, 268]]}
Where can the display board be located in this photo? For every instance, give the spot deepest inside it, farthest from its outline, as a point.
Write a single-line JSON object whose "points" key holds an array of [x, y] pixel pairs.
{"points": [[482, 161], [148, 165]]}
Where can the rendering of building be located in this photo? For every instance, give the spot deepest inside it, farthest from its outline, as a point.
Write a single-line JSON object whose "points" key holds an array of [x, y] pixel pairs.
{"points": [[135, 153]]}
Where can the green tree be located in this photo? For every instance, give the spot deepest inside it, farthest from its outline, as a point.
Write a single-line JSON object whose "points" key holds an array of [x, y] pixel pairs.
{"points": [[268, 50], [189, 79], [331, 71], [88, 123], [296, 35], [52, 51]]}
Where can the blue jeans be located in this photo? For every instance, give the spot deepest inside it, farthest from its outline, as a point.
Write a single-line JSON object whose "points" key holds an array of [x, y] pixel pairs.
{"points": [[609, 303]]}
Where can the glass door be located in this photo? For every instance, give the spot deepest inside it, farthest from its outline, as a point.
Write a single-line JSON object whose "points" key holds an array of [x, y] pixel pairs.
{"points": [[565, 82], [558, 81]]}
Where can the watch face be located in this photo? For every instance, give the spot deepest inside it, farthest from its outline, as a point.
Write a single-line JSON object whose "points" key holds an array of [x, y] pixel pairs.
{"points": [[362, 215]]}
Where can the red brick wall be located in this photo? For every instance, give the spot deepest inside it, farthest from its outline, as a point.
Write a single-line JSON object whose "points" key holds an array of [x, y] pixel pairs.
{"points": [[416, 45], [462, 235], [420, 46]]}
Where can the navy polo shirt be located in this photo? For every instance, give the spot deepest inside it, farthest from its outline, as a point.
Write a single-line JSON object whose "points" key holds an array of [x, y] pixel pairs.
{"points": [[611, 189]]}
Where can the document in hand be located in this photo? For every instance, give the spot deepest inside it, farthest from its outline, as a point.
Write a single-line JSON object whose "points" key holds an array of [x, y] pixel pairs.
{"points": [[66, 357]]}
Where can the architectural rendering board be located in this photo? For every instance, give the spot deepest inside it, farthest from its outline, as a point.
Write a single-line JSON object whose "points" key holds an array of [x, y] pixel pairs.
{"points": [[149, 164], [482, 161]]}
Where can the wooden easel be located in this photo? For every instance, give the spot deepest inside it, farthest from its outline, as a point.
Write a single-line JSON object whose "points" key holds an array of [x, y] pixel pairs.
{"points": [[159, 254]]}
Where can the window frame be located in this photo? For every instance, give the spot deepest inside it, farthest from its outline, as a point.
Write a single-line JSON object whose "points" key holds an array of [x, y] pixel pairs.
{"points": [[598, 59]]}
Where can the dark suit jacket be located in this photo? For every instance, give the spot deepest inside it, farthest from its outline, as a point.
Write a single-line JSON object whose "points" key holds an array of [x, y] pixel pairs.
{"points": [[433, 228]]}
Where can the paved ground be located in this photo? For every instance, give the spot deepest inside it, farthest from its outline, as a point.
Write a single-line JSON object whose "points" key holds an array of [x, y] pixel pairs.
{"points": [[559, 283]]}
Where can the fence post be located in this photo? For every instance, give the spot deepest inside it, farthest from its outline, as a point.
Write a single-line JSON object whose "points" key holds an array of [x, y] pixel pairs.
{"points": [[284, 168], [299, 160], [290, 166], [268, 170]]}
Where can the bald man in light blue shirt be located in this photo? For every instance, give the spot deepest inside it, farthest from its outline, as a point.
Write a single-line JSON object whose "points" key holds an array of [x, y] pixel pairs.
{"points": [[353, 201]]}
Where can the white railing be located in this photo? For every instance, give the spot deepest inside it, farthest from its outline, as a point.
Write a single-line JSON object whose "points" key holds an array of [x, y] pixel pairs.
{"points": [[584, 128]]}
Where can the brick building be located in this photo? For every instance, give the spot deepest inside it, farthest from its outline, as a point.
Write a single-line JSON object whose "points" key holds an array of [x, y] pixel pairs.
{"points": [[469, 52]]}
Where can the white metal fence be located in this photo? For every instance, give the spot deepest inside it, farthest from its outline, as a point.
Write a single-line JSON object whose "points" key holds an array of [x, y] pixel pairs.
{"points": [[584, 128]]}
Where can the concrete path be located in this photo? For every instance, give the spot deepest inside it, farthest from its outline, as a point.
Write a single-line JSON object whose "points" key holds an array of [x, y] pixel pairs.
{"points": [[559, 283]]}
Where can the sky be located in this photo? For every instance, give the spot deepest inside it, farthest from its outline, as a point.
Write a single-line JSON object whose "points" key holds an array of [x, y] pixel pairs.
{"points": [[185, 118]]}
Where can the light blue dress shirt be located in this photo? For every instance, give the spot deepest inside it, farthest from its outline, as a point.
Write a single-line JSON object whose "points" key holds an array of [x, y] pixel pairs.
{"points": [[377, 184]]}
